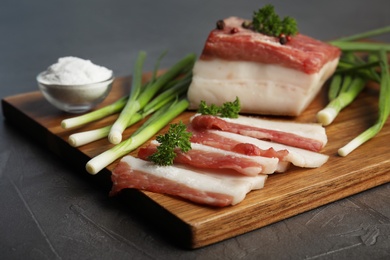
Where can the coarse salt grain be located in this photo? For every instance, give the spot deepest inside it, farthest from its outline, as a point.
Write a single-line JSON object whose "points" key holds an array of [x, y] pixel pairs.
{"points": [[74, 71]]}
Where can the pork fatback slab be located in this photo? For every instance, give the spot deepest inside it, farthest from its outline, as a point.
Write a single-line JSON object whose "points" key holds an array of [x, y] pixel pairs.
{"points": [[268, 77]]}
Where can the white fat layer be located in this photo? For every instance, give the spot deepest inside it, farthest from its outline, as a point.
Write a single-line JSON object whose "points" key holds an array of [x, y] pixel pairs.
{"points": [[297, 156], [307, 130], [199, 180], [269, 165], [261, 88], [283, 166], [256, 182]]}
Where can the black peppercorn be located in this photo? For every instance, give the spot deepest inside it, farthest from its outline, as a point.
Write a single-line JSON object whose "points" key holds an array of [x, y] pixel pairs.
{"points": [[220, 24], [234, 30], [282, 39]]}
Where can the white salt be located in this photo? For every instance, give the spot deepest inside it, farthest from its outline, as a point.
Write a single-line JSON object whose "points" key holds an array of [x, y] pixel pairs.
{"points": [[74, 71]]}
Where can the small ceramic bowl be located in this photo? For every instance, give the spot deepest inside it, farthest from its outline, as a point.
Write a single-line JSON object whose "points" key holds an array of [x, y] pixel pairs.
{"points": [[75, 98]]}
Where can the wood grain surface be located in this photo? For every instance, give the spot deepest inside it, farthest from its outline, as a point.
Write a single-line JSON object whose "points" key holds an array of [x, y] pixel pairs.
{"points": [[285, 195]]}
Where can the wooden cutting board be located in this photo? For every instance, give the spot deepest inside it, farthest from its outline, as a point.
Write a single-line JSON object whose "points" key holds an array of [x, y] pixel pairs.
{"points": [[284, 195]]}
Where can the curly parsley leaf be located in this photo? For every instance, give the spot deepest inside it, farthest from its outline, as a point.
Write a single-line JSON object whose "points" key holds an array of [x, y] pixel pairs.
{"points": [[204, 109], [266, 21], [228, 109], [177, 137], [231, 109]]}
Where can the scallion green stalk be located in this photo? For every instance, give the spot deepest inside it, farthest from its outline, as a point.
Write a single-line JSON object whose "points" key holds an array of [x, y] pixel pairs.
{"points": [[366, 71], [131, 106], [155, 70], [180, 88], [340, 82], [365, 35], [86, 137], [147, 94], [373, 74], [348, 67], [334, 87], [151, 127], [361, 46], [327, 115], [95, 115], [384, 110], [347, 83]]}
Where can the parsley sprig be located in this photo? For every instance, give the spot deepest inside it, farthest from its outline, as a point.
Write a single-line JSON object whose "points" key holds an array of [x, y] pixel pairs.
{"points": [[176, 137], [228, 109], [266, 21]]}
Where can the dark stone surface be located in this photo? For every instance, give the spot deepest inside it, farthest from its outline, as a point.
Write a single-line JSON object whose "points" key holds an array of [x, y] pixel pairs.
{"points": [[48, 210]]}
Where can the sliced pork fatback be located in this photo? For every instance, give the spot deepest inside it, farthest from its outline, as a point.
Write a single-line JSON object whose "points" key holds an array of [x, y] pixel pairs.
{"points": [[207, 157], [297, 156], [268, 77], [310, 136], [215, 189], [212, 138]]}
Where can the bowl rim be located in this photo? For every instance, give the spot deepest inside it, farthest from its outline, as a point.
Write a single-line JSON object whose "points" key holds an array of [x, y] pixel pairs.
{"points": [[109, 80]]}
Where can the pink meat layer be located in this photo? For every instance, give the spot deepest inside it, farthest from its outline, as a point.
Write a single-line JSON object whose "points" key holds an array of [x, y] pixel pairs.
{"points": [[246, 165], [302, 53], [214, 140], [212, 122]]}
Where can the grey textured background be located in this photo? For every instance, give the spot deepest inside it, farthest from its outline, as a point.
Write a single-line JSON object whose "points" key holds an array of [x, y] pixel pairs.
{"points": [[48, 210]]}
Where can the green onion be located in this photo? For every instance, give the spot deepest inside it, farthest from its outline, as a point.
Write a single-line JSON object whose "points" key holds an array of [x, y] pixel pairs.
{"points": [[329, 113], [156, 67], [181, 86], [353, 67], [346, 85], [366, 34], [347, 81], [131, 106], [335, 86], [383, 114], [372, 73], [95, 115], [346, 44], [364, 70], [361, 46], [146, 95], [86, 137], [153, 125], [340, 82]]}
